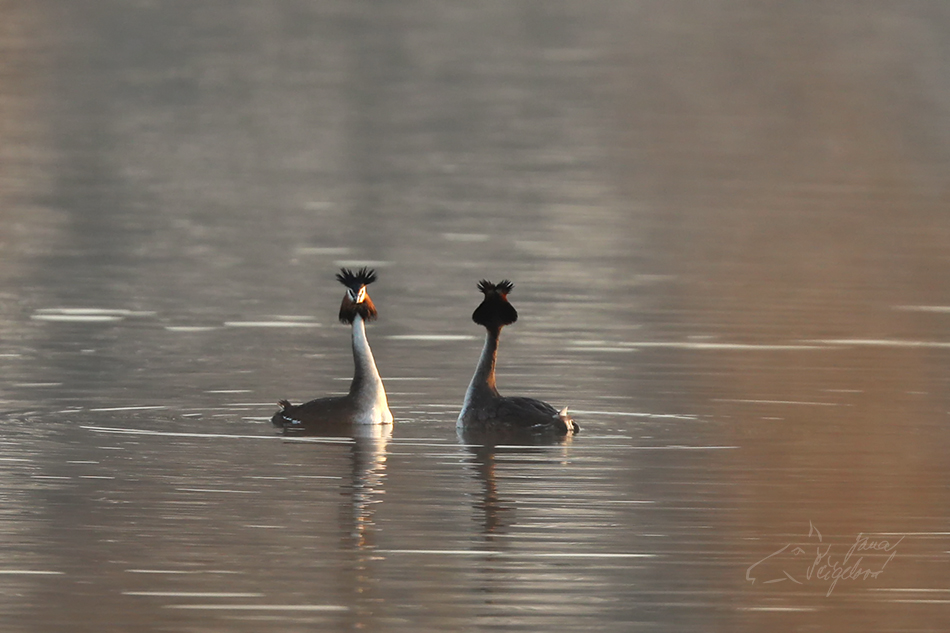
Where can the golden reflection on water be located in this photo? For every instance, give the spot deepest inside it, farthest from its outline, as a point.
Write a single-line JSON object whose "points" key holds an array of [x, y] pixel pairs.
{"points": [[798, 211]]}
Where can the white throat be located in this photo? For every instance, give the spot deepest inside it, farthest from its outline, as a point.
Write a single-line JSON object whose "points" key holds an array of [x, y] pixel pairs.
{"points": [[367, 389]]}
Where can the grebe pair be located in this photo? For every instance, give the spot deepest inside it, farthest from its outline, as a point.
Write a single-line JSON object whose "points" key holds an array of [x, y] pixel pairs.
{"points": [[485, 413]]}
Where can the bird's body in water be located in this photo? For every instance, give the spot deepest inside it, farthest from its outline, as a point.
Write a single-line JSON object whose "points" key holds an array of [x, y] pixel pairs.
{"points": [[365, 403], [486, 413]]}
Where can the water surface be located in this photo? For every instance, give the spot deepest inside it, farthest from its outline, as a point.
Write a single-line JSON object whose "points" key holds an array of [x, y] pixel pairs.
{"points": [[727, 229]]}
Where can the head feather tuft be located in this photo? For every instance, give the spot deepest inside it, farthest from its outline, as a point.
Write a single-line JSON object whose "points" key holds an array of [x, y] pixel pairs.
{"points": [[504, 286], [363, 277]]}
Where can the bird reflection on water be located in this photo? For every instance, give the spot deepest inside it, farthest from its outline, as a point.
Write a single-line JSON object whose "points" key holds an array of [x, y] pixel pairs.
{"points": [[483, 462], [362, 493], [368, 475], [368, 449], [501, 527]]}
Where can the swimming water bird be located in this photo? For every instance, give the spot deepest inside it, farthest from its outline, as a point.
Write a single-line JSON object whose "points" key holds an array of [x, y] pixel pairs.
{"points": [[366, 401], [485, 411]]}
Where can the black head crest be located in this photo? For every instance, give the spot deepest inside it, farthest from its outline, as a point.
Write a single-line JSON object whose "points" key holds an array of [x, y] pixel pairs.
{"points": [[356, 301], [495, 312], [504, 286], [354, 281]]}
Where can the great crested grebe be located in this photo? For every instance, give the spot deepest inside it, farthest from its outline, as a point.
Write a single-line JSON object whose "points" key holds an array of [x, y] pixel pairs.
{"points": [[366, 401], [484, 410]]}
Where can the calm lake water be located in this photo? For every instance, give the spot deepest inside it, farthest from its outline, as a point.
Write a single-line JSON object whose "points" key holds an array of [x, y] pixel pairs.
{"points": [[727, 225]]}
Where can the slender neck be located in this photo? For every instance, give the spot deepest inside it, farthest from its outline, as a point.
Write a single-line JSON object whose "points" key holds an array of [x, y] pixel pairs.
{"points": [[483, 382], [366, 376]]}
